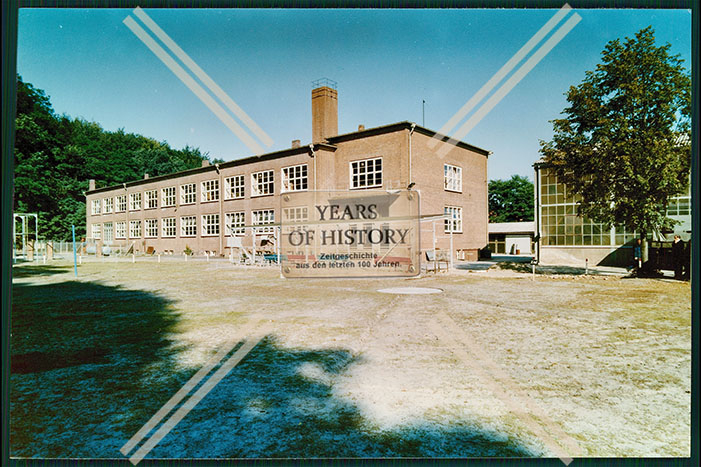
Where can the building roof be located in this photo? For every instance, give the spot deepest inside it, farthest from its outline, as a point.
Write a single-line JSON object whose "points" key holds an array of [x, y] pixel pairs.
{"points": [[329, 145], [405, 125], [511, 227]]}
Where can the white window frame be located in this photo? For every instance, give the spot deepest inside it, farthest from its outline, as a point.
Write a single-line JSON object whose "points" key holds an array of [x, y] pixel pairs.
{"points": [[135, 202], [187, 196], [209, 190], [169, 226], [188, 222], [235, 221], [263, 183], [354, 170], [151, 228], [151, 199], [121, 203], [95, 207], [235, 187], [168, 196], [295, 175], [96, 231], [454, 223], [452, 178], [108, 205], [108, 232], [120, 230], [263, 217], [210, 225], [135, 228]]}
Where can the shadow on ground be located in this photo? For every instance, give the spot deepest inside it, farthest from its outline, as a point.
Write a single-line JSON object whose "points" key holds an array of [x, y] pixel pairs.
{"points": [[78, 353], [279, 402], [38, 270], [91, 364]]}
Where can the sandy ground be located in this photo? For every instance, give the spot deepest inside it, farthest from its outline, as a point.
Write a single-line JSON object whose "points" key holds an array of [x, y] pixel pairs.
{"points": [[498, 364]]}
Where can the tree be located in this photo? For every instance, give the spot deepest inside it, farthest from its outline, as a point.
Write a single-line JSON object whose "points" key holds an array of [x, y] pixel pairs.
{"points": [[623, 147], [511, 200], [55, 156]]}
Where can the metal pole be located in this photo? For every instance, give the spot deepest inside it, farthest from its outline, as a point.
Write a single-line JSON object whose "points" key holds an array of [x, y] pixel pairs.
{"points": [[277, 243], [451, 248], [14, 239], [24, 237], [75, 254]]}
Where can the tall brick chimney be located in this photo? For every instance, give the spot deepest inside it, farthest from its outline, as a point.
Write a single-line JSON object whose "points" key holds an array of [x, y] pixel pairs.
{"points": [[324, 109]]}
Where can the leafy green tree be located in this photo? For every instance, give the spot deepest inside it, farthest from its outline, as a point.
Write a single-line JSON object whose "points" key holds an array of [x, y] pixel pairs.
{"points": [[55, 156], [511, 200], [623, 145]]}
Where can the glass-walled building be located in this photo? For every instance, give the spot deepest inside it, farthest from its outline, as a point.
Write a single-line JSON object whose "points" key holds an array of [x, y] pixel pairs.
{"points": [[566, 238]]}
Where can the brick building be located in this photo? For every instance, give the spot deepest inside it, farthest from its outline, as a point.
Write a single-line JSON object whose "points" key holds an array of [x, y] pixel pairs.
{"points": [[201, 208]]}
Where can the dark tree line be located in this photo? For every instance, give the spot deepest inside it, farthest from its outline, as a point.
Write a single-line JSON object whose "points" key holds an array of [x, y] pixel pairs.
{"points": [[55, 156]]}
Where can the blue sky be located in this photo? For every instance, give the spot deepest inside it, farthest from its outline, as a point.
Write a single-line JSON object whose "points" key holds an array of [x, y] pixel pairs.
{"points": [[385, 62]]}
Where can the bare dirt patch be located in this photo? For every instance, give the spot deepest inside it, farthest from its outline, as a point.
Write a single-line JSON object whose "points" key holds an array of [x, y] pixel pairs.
{"points": [[347, 371]]}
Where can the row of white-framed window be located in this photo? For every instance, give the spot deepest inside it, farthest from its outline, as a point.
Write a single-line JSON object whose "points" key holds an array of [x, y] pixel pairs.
{"points": [[366, 173], [235, 223]]}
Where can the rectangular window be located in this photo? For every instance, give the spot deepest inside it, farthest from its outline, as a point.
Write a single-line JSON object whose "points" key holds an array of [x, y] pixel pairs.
{"points": [[295, 214], [120, 230], [95, 208], [264, 217], [151, 228], [294, 178], [210, 224], [366, 173], [188, 226], [134, 229], [151, 200], [454, 222], [108, 232], [188, 193], [210, 190], [95, 231], [168, 196], [234, 187], [263, 183], [235, 222], [108, 205], [452, 178], [134, 201], [121, 203], [169, 229]]}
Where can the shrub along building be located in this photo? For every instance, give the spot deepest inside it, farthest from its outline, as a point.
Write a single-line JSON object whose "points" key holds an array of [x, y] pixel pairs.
{"points": [[201, 209], [566, 238]]}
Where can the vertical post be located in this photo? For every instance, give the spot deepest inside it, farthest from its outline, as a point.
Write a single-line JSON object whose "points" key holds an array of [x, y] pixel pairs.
{"points": [[435, 256], [451, 249], [277, 243], [24, 237], [253, 231], [75, 254], [533, 277], [586, 266], [159, 257]]}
